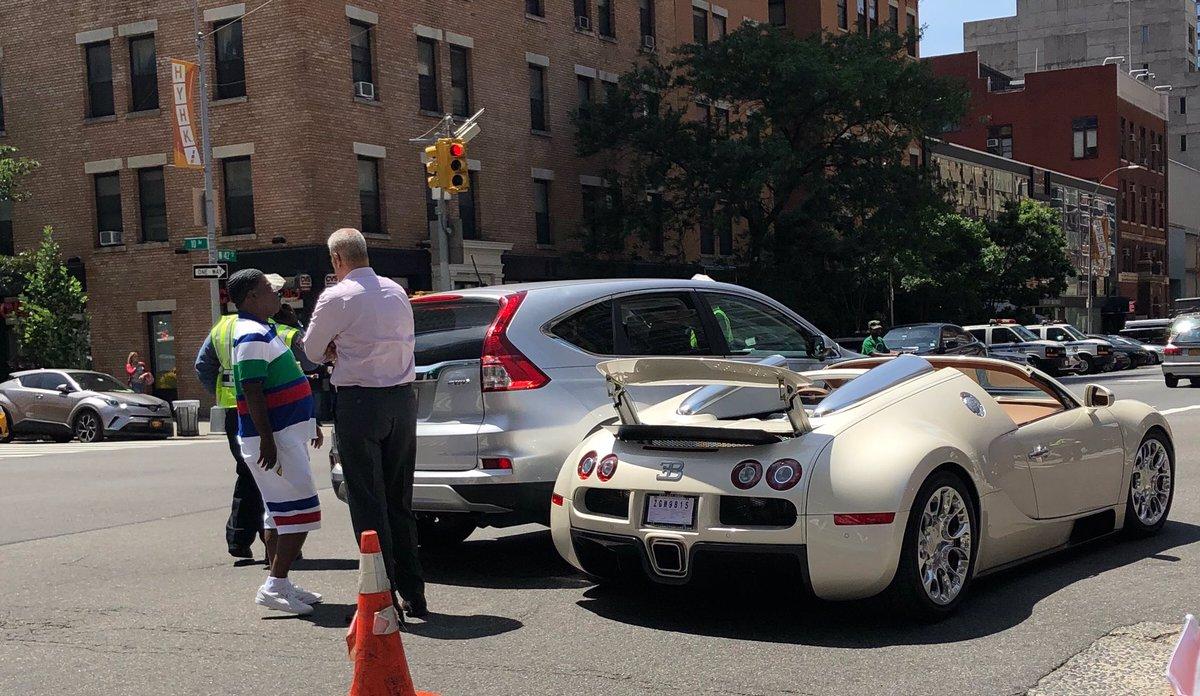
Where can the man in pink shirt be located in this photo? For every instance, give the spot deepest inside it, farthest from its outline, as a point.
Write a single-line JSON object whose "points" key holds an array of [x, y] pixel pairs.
{"points": [[365, 324]]}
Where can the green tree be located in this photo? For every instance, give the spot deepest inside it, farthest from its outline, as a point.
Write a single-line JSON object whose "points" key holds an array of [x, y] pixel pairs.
{"points": [[12, 170], [53, 328], [1026, 259], [803, 142]]}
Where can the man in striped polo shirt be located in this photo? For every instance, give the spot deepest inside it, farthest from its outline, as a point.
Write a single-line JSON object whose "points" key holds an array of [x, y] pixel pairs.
{"points": [[275, 424]]}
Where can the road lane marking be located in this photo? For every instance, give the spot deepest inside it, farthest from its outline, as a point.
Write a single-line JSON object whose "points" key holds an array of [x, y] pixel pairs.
{"points": [[1181, 409], [35, 449]]}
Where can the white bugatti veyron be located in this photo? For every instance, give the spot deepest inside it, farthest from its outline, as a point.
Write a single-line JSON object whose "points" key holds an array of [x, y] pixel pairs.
{"points": [[908, 474]]}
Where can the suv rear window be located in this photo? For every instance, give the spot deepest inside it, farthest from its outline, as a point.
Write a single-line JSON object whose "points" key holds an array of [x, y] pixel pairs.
{"points": [[1185, 330], [452, 329]]}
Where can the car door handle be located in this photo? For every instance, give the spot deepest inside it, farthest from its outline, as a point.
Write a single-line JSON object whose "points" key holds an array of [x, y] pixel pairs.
{"points": [[1039, 452]]}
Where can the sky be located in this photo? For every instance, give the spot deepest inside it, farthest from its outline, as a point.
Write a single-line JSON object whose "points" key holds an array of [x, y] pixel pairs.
{"points": [[943, 19]]}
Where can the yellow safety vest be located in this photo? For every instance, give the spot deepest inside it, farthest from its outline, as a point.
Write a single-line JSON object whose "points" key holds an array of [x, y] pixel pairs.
{"points": [[222, 340]]}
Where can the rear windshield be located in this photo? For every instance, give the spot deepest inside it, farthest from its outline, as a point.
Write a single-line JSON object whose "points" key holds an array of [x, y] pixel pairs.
{"points": [[922, 338], [452, 329], [1185, 330]]}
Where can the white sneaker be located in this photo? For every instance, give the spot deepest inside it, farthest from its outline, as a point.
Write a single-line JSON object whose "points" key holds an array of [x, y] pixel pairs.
{"points": [[305, 596], [281, 601]]}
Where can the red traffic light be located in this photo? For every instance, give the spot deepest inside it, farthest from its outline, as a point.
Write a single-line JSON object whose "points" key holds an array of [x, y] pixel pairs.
{"points": [[457, 150]]}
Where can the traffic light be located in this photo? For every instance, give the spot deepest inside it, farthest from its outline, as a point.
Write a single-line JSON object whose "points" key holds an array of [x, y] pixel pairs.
{"points": [[433, 166], [457, 178]]}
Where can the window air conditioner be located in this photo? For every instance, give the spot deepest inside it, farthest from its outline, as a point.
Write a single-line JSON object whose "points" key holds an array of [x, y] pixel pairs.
{"points": [[648, 42], [582, 23], [110, 238], [993, 142], [1156, 148], [366, 90]]}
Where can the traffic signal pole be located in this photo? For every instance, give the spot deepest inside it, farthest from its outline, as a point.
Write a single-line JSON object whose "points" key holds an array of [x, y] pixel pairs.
{"points": [[210, 212], [443, 274], [448, 169]]}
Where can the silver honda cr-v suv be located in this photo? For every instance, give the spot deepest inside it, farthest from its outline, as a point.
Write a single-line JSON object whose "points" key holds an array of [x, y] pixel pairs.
{"points": [[507, 382]]}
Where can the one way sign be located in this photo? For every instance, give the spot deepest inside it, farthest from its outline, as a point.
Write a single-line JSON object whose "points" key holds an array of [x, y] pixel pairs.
{"points": [[209, 271]]}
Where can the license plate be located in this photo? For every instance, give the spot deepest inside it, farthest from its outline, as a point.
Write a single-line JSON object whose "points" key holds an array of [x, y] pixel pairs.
{"points": [[671, 510], [156, 424], [1193, 351]]}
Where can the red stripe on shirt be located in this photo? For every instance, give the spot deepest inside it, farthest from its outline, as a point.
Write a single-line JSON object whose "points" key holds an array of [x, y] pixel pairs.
{"points": [[302, 518], [293, 393]]}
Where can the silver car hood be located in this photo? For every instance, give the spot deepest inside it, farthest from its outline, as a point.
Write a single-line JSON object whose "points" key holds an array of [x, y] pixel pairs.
{"points": [[132, 399]]}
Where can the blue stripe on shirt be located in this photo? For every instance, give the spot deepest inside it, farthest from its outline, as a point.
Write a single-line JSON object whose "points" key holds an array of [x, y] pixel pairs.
{"points": [[290, 505]]}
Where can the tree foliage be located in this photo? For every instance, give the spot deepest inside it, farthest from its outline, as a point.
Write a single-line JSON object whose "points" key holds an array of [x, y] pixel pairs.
{"points": [[12, 170], [53, 325], [811, 165], [1026, 260]]}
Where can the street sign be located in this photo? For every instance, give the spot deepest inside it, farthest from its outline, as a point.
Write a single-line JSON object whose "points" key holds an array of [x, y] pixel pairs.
{"points": [[330, 279], [304, 282], [195, 243], [229, 255], [209, 271]]}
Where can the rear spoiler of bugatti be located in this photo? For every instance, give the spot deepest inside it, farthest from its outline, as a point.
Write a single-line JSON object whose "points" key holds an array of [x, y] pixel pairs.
{"points": [[696, 372]]}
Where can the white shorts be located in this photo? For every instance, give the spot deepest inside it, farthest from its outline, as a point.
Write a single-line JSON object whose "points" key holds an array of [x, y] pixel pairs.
{"points": [[289, 495]]}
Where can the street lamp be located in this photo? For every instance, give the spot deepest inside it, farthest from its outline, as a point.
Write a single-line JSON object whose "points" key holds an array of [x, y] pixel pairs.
{"points": [[1092, 238]]}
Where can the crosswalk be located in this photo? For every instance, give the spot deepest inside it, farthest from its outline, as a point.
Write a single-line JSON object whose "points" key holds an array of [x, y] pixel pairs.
{"points": [[19, 450]]}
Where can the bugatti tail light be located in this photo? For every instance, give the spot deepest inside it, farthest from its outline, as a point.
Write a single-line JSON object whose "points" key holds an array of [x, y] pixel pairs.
{"points": [[783, 474], [587, 465], [607, 467], [746, 474]]}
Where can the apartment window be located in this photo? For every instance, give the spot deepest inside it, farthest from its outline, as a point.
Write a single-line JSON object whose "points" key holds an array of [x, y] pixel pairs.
{"points": [[592, 197], [646, 17], [873, 14], [468, 211], [1084, 133], [1142, 146], [1145, 34], [656, 221], [370, 207], [843, 20], [99, 77], [239, 196], [1144, 200], [108, 206], [362, 63], [7, 247], [604, 18], [718, 27], [535, 8], [1124, 139], [152, 204], [1183, 143], [537, 97], [143, 74], [776, 13], [1000, 140], [1183, 105], [427, 74], [541, 211], [582, 16], [584, 87], [911, 28], [699, 25], [861, 23], [894, 18], [460, 88], [230, 59]]}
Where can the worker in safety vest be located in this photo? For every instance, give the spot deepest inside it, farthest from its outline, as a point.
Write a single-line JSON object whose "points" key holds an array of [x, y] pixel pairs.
{"points": [[214, 367]]}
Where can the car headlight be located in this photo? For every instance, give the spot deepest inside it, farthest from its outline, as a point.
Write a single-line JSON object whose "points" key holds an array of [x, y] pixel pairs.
{"points": [[112, 402]]}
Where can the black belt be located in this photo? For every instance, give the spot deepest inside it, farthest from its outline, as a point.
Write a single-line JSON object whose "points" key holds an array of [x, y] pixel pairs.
{"points": [[396, 387]]}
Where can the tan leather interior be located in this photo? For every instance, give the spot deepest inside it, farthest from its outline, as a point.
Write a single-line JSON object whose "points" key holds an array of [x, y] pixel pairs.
{"points": [[1024, 412]]}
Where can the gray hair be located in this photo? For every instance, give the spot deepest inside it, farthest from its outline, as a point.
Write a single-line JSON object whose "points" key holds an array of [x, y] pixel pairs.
{"points": [[349, 244]]}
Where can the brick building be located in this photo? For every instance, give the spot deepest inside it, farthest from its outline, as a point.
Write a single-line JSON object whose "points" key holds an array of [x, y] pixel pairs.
{"points": [[808, 17], [313, 103], [1084, 122]]}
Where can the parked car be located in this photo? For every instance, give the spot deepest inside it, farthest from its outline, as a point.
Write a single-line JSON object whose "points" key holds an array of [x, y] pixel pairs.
{"points": [[933, 338], [1096, 355], [852, 344], [1153, 331], [90, 406], [507, 381], [1181, 356], [1008, 340], [878, 487], [1138, 354]]}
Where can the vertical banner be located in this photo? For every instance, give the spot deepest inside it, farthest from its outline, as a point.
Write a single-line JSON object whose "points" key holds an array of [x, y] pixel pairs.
{"points": [[183, 101]]}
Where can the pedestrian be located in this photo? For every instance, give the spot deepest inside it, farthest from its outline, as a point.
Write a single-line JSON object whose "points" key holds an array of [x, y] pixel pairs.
{"points": [[364, 324], [214, 367], [131, 363], [291, 332], [141, 381], [874, 345], [275, 427]]}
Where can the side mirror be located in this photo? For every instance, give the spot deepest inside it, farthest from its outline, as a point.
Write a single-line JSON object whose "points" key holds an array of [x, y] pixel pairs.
{"points": [[820, 351], [1096, 396], [63, 389]]}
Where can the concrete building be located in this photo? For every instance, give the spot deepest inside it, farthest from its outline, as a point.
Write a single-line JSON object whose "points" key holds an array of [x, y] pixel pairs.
{"points": [[980, 184], [313, 105], [1087, 123], [1183, 201]]}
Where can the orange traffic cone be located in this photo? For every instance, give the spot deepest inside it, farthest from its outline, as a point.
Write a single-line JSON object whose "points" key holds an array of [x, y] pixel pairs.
{"points": [[373, 640]]}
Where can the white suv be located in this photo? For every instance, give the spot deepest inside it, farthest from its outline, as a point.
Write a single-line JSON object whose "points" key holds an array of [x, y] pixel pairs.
{"points": [[1009, 339]]}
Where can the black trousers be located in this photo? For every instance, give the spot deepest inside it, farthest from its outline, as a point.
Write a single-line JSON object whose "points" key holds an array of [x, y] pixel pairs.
{"points": [[246, 512], [377, 442]]}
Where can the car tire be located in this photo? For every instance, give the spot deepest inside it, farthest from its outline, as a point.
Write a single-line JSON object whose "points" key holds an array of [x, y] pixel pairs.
{"points": [[1171, 380], [1147, 504], [914, 595], [438, 531], [7, 437], [1089, 365], [87, 427]]}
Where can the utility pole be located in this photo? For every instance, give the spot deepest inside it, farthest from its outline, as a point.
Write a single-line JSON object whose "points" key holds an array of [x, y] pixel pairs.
{"points": [[210, 209], [443, 274]]}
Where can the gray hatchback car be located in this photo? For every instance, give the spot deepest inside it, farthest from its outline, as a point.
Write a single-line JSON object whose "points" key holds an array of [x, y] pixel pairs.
{"points": [[507, 382], [90, 406]]}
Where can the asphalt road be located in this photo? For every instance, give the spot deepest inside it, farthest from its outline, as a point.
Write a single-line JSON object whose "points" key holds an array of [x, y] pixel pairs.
{"points": [[114, 580]]}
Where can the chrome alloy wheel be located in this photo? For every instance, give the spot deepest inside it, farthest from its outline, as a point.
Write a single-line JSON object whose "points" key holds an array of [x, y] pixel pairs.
{"points": [[86, 427], [1150, 485], [944, 545]]}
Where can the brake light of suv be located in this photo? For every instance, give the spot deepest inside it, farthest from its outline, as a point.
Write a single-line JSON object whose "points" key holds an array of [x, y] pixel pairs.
{"points": [[503, 367], [1172, 350]]}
